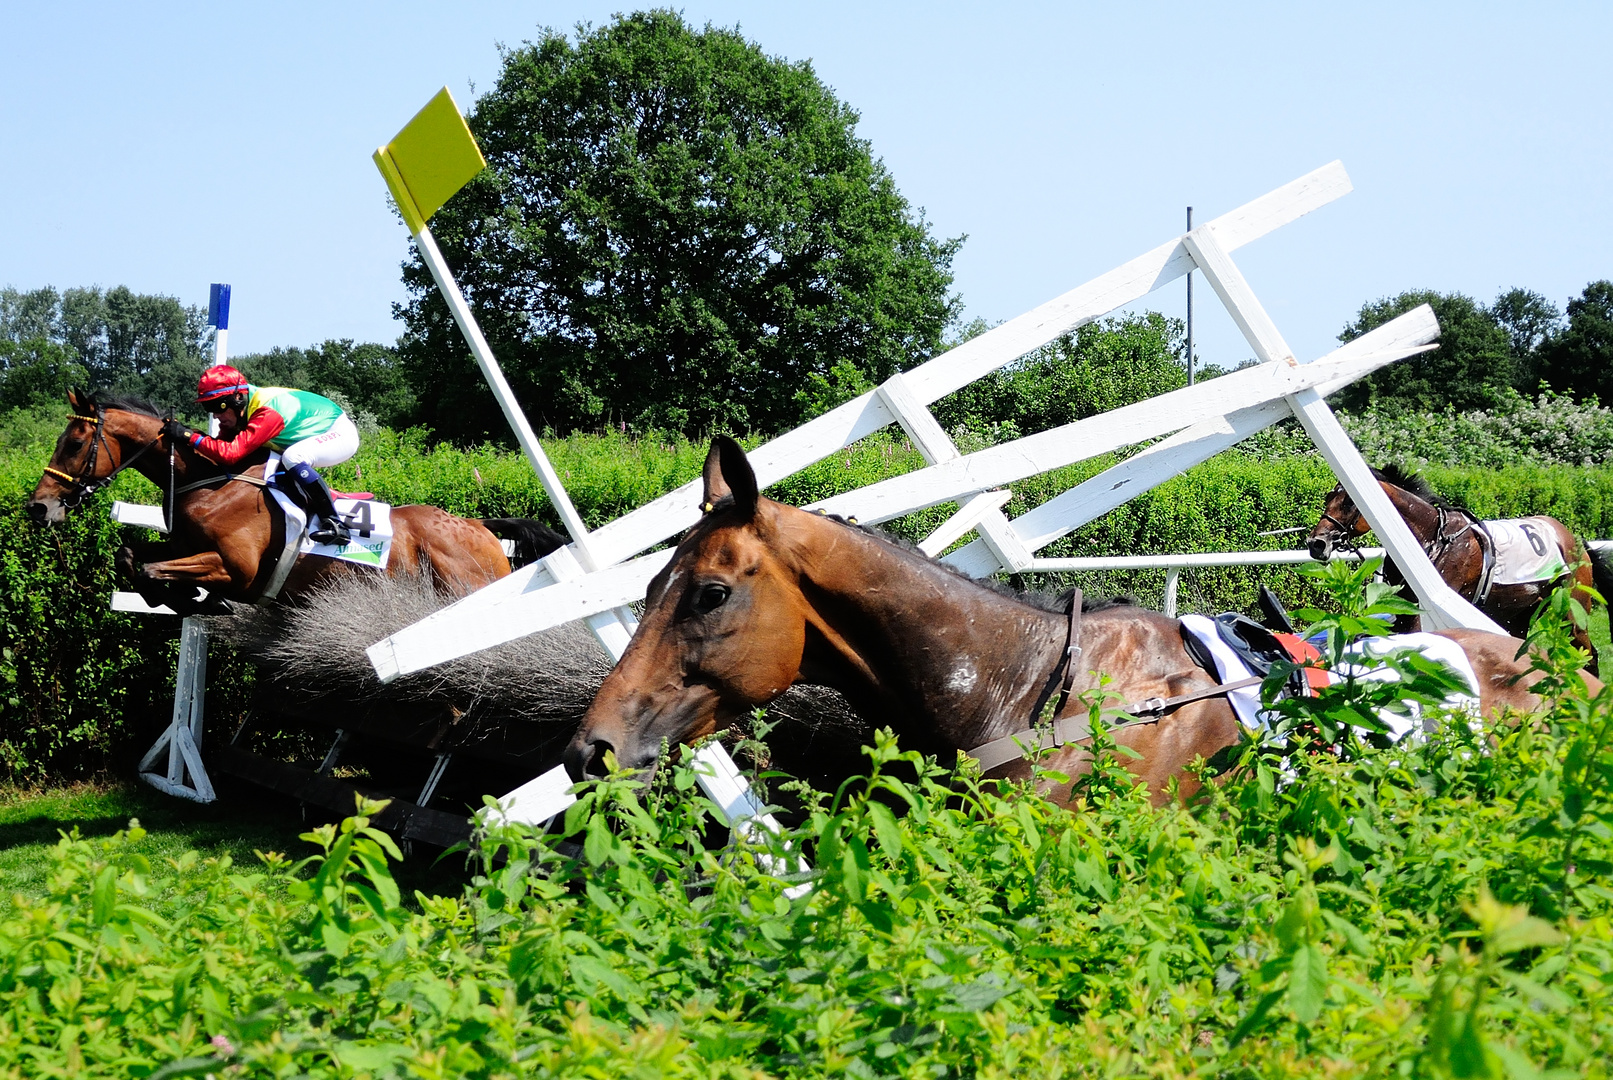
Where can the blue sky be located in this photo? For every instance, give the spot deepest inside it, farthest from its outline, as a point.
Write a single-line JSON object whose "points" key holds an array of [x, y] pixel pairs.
{"points": [[168, 146]]}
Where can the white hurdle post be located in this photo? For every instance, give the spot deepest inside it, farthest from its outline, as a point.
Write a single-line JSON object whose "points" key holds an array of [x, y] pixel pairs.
{"points": [[183, 774], [424, 165]]}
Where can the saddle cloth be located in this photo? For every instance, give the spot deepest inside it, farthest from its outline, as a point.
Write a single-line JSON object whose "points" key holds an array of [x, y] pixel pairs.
{"points": [[1526, 551], [369, 522], [1229, 666]]}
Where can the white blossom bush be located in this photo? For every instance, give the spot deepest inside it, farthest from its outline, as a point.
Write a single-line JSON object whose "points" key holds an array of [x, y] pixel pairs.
{"points": [[1552, 429]]}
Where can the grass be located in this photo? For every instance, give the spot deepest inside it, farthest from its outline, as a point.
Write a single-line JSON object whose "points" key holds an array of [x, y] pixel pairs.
{"points": [[244, 821]]}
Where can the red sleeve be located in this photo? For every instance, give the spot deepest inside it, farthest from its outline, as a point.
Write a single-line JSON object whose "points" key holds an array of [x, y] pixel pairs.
{"points": [[264, 425]]}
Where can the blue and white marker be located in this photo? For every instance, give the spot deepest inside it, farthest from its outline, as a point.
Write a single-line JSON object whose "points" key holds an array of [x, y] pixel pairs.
{"points": [[218, 315]]}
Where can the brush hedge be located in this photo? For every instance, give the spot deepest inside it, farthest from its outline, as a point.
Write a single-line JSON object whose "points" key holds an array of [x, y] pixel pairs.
{"points": [[82, 689]]}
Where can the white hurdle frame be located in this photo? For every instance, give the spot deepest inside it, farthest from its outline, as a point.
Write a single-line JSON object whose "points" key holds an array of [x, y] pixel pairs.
{"points": [[590, 580], [1200, 421]]}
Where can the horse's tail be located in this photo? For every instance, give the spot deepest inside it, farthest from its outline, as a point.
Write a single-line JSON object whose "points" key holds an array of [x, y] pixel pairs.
{"points": [[533, 539], [1601, 571]]}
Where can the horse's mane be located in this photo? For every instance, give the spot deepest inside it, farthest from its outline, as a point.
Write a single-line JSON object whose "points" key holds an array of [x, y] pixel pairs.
{"points": [[1054, 603], [126, 402], [1407, 480]]}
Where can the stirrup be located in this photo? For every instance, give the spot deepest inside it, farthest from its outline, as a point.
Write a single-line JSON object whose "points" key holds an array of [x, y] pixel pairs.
{"points": [[333, 532]]}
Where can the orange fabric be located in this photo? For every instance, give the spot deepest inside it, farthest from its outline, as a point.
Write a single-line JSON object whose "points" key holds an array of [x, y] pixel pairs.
{"points": [[1303, 652]]}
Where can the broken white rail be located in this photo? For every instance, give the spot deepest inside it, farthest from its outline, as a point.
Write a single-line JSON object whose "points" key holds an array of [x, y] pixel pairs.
{"points": [[1173, 565]]}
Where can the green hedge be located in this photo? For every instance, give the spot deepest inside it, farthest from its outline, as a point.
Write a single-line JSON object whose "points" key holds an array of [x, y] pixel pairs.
{"points": [[1431, 910], [81, 688]]}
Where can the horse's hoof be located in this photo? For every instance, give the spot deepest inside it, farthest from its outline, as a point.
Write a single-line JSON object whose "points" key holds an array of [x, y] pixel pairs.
{"points": [[209, 604], [125, 562]]}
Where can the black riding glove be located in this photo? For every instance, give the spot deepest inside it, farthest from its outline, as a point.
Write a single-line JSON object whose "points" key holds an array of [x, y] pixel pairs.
{"points": [[176, 432]]}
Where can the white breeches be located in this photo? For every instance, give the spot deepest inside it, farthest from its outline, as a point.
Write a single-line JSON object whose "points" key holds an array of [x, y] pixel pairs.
{"points": [[328, 448]]}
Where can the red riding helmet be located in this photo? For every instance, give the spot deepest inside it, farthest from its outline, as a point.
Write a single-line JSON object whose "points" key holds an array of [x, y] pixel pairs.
{"points": [[220, 381]]}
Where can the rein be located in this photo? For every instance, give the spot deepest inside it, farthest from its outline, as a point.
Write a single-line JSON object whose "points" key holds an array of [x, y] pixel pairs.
{"points": [[1437, 545], [86, 483]]}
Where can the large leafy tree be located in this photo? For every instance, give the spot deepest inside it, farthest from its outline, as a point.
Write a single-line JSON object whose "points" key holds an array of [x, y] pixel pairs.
{"points": [[117, 338], [1472, 368], [1580, 359], [1532, 322], [676, 231]]}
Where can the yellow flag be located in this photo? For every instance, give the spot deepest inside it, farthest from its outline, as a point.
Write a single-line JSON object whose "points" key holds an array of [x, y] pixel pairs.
{"points": [[431, 158]]}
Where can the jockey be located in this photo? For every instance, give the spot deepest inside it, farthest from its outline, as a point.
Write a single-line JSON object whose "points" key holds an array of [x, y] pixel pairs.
{"points": [[308, 430]]}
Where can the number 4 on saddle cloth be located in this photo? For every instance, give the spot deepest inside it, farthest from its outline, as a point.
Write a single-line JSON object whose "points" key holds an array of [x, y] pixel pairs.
{"points": [[368, 521]]}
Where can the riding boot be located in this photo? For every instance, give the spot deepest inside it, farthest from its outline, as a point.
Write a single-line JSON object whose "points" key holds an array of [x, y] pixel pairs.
{"points": [[317, 501]]}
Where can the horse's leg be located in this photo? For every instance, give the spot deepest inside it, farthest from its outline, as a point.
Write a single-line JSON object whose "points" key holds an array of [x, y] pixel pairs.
{"points": [[205, 568]]}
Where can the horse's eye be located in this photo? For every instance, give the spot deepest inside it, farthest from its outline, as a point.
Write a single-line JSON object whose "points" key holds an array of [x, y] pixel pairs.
{"points": [[709, 599]]}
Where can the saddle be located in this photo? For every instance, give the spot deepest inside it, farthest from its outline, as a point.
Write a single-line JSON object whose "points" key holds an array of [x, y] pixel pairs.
{"points": [[1260, 649]]}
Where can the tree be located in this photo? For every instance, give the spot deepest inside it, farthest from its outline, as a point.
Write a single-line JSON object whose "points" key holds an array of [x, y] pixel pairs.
{"points": [[1101, 366], [36, 372], [367, 377], [675, 231], [1531, 321], [118, 339], [1580, 359], [1471, 369], [123, 338]]}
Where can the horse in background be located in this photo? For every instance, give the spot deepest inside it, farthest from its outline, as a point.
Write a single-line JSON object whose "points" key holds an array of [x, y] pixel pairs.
{"points": [[760, 596], [1464, 550], [224, 527]]}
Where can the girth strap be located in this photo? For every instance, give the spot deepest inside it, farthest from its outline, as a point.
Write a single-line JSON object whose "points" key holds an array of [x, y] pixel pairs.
{"points": [[1074, 729], [1072, 651]]}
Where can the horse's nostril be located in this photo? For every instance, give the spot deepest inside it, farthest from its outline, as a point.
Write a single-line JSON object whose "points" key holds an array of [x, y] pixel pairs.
{"points": [[594, 765], [586, 760], [38, 510], [1321, 549]]}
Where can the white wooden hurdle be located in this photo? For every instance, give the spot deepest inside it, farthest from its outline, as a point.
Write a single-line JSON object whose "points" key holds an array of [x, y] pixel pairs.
{"points": [[597, 576]]}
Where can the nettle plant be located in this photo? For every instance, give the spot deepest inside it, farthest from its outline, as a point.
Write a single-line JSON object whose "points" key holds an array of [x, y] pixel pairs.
{"points": [[1437, 908]]}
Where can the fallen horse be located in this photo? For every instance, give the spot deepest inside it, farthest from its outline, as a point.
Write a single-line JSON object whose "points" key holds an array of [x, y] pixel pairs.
{"points": [[760, 596]]}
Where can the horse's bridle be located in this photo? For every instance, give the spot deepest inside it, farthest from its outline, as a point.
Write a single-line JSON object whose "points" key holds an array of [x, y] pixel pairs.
{"points": [[1435, 548], [86, 483], [1348, 538]]}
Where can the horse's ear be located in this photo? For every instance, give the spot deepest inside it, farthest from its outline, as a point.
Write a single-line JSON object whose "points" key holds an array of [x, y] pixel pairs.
{"points": [[79, 399], [728, 476]]}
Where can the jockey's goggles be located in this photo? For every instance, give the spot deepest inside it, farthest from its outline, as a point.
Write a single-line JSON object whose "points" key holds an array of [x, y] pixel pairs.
{"points": [[217, 405]]}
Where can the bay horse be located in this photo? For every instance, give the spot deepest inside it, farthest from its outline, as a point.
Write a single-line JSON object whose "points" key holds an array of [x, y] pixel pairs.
{"points": [[759, 596], [1459, 547], [222, 529]]}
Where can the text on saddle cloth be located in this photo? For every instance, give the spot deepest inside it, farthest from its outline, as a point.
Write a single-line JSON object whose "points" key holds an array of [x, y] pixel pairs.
{"points": [[368, 521], [1526, 551], [1206, 641]]}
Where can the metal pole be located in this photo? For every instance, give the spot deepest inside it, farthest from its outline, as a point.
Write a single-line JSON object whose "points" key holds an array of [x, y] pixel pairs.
{"points": [[1190, 308]]}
